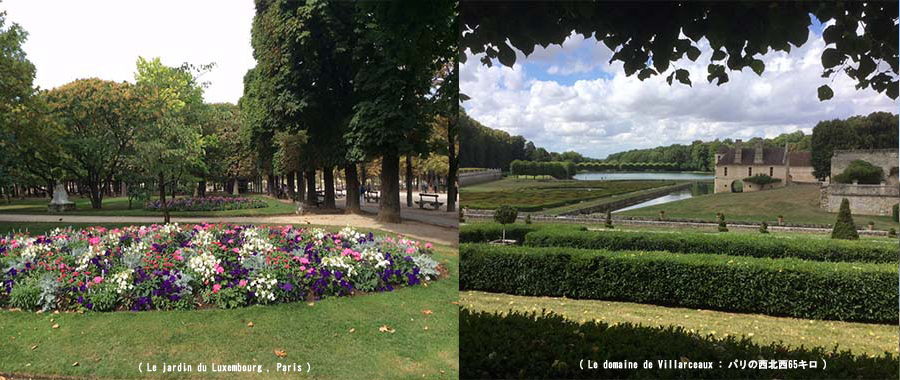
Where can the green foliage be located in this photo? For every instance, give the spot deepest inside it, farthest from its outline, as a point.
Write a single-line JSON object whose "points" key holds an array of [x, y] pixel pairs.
{"points": [[799, 247], [554, 194], [762, 179], [505, 215], [647, 46], [892, 232], [104, 297], [895, 214], [779, 287], [861, 171], [528, 219], [494, 344], [230, 298], [26, 295], [722, 226], [764, 228], [878, 130], [609, 223], [844, 228], [485, 232], [462, 215], [555, 169]]}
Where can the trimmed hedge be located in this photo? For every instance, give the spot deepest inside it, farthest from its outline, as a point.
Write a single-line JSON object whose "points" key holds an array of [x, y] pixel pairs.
{"points": [[485, 232], [531, 345], [896, 213], [780, 287], [725, 244]]}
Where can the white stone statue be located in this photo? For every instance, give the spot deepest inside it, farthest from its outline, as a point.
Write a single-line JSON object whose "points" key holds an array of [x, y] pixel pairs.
{"points": [[60, 200]]}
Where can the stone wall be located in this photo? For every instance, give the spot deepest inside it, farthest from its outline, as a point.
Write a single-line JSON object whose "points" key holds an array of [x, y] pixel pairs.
{"points": [[473, 178], [864, 199], [887, 159]]}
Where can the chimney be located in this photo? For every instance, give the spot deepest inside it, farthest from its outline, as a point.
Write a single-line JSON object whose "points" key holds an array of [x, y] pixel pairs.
{"points": [[738, 147], [758, 155]]}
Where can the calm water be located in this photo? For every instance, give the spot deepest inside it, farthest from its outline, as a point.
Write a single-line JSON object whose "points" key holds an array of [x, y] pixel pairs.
{"points": [[698, 188], [645, 175]]}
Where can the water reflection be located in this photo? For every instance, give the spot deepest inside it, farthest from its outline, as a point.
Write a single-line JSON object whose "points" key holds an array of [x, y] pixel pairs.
{"points": [[644, 175], [696, 189]]}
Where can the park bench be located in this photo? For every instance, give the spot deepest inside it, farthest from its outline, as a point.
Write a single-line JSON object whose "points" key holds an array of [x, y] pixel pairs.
{"points": [[433, 202], [372, 196]]}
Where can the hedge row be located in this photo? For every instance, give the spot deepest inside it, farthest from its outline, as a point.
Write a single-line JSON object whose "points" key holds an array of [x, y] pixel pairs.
{"points": [[780, 287], [726, 244], [521, 345], [555, 169], [633, 166], [485, 232]]}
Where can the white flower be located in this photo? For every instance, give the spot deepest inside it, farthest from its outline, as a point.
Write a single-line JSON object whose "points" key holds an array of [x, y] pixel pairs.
{"points": [[254, 243], [262, 285], [204, 264], [342, 263], [122, 282]]}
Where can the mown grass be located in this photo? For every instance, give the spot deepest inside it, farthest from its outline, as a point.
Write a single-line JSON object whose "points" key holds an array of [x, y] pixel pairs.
{"points": [[799, 204], [537, 195], [871, 339], [118, 206], [111, 345]]}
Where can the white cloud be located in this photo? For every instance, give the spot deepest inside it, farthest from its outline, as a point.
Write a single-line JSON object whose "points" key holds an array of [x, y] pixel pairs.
{"points": [[606, 115], [69, 40]]}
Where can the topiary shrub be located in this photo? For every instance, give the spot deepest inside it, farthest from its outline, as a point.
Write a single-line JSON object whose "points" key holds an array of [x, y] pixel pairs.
{"points": [[462, 215], [764, 228], [722, 226], [862, 172], [609, 219], [505, 215], [896, 213], [528, 219], [844, 228], [892, 232]]}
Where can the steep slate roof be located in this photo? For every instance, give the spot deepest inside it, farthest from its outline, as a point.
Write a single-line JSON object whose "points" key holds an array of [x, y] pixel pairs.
{"points": [[801, 159], [771, 156]]}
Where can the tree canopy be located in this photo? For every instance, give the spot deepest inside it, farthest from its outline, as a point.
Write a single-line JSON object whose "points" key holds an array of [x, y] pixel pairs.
{"points": [[649, 40]]}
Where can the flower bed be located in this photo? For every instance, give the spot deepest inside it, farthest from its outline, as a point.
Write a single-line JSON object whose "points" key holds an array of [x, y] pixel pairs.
{"points": [[185, 266], [207, 204]]}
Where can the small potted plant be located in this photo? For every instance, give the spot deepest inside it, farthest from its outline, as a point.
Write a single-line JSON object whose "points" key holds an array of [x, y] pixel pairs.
{"points": [[871, 226], [780, 220], [662, 214], [505, 215]]}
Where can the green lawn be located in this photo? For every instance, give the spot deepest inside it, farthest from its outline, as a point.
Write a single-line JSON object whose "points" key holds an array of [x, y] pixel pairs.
{"points": [[119, 207], [535, 195], [111, 345], [871, 339], [798, 204]]}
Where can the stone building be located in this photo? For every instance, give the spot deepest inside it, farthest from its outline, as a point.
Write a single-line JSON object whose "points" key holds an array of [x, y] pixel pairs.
{"points": [[864, 199], [733, 166]]}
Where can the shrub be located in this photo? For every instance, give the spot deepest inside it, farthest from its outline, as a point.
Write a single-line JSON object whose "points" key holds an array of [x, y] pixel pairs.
{"points": [[485, 232], [764, 228], [528, 219], [780, 287], [609, 223], [505, 215], [896, 213], [762, 180], [722, 226], [862, 172], [844, 228], [799, 247], [892, 232], [207, 204], [26, 295], [555, 347], [462, 215]]}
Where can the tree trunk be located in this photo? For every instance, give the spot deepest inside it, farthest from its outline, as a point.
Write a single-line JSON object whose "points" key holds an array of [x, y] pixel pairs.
{"points": [[270, 184], [174, 183], [328, 178], [235, 189], [454, 167], [409, 188], [311, 188], [290, 185], [301, 187], [352, 189], [162, 197], [389, 205], [362, 173], [201, 188], [96, 195]]}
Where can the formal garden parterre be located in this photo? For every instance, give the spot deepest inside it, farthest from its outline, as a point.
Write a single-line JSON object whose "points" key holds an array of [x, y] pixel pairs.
{"points": [[219, 203], [185, 266], [539, 195]]}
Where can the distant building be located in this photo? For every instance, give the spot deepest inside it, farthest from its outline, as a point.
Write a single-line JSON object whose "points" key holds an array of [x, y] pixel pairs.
{"points": [[733, 166], [864, 199]]}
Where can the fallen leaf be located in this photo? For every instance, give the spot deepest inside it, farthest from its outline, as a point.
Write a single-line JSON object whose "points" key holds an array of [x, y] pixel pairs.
{"points": [[51, 320], [426, 328], [56, 312], [75, 364], [56, 326], [312, 304], [387, 329], [352, 330], [455, 302], [426, 312], [249, 324], [280, 353], [33, 347]]}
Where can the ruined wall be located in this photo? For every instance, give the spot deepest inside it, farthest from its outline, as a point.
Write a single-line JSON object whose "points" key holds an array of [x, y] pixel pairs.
{"points": [[887, 159], [474, 178], [864, 199]]}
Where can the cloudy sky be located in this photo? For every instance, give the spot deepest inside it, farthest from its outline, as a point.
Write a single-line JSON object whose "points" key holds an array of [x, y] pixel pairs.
{"points": [[570, 98], [69, 40]]}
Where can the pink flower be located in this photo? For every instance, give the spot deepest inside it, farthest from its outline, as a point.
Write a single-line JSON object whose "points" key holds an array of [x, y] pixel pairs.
{"points": [[94, 240], [410, 251], [347, 252], [219, 269], [216, 288], [428, 245], [179, 257], [304, 260], [98, 279], [242, 283], [337, 241], [235, 250]]}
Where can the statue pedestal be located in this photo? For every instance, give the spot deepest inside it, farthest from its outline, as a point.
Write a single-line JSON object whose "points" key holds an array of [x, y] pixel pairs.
{"points": [[60, 207]]}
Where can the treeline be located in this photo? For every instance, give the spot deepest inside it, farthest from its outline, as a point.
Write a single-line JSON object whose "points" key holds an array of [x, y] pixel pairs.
{"points": [[484, 147], [632, 166], [556, 169], [878, 130]]}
